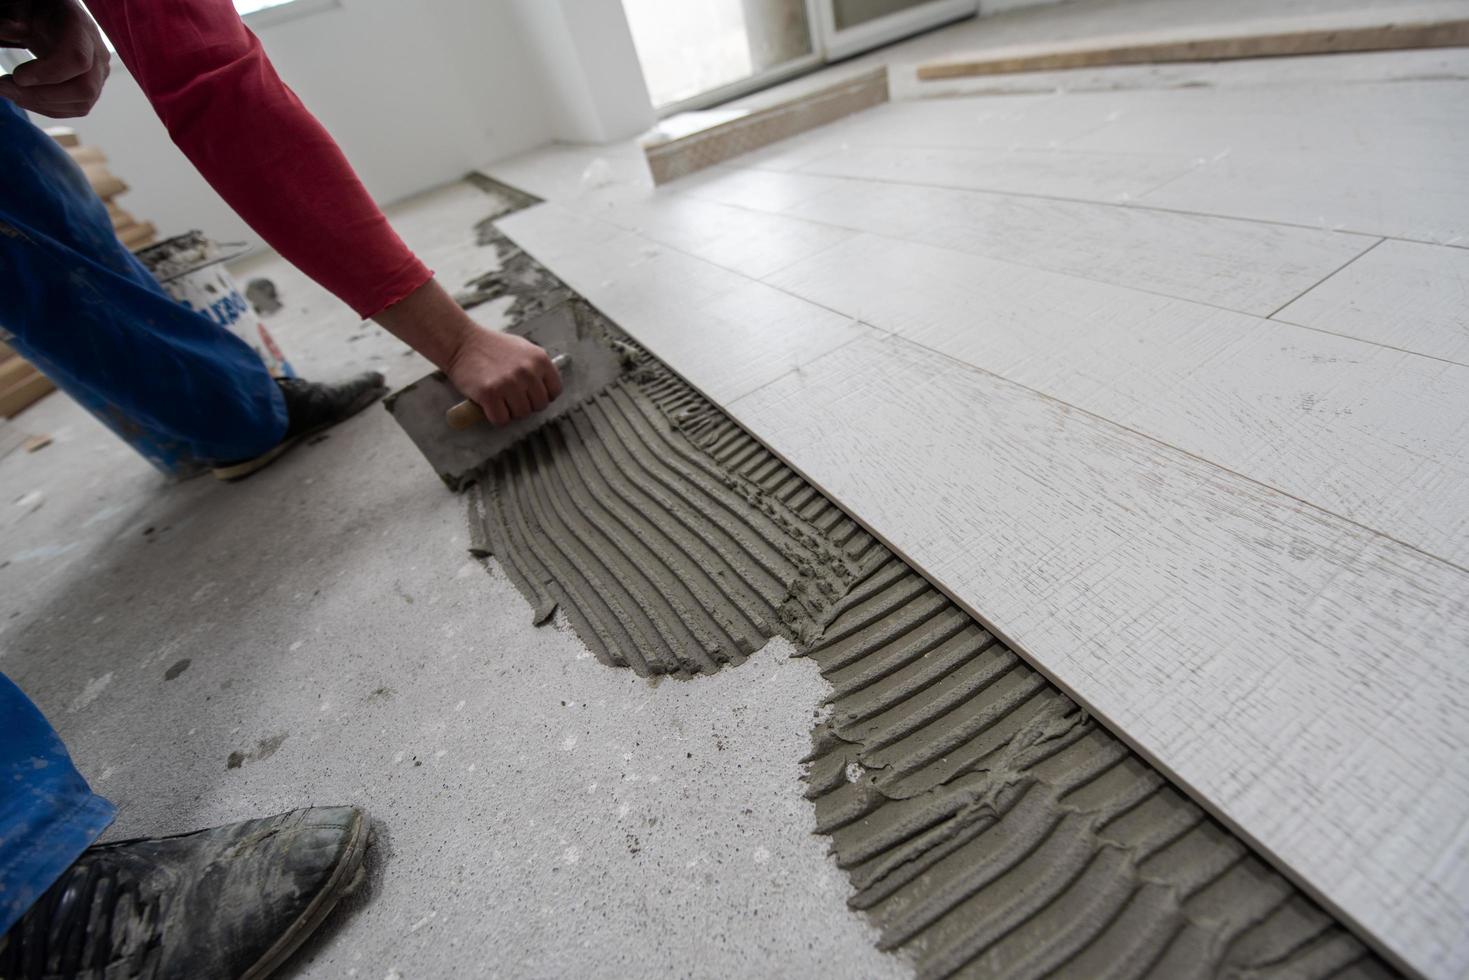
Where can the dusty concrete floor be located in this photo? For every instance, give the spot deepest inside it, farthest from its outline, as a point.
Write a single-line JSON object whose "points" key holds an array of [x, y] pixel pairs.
{"points": [[537, 813]]}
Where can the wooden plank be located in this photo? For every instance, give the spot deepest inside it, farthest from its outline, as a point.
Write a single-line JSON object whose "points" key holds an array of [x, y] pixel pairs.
{"points": [[1305, 678], [1402, 294], [105, 184], [1246, 266], [137, 235], [120, 218], [1381, 66], [674, 158], [14, 370], [22, 393], [1172, 46], [64, 135], [728, 335], [1368, 433], [84, 155]]}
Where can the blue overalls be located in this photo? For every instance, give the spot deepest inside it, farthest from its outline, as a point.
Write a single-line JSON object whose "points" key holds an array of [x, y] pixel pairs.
{"points": [[182, 390]]}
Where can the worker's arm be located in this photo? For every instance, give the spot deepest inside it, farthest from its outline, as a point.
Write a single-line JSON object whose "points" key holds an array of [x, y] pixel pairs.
{"points": [[225, 107]]}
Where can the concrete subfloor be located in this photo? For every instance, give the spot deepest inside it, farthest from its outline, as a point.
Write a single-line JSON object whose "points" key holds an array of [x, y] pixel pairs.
{"points": [[318, 634]]}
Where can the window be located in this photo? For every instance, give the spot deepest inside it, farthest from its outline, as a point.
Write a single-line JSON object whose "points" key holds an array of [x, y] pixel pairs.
{"points": [[692, 47]]}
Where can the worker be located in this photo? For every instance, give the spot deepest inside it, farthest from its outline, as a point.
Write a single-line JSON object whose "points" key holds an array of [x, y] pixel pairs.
{"points": [[235, 900]]}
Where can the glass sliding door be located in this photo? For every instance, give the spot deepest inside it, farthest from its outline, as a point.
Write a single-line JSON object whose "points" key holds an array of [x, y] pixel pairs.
{"points": [[850, 26], [700, 52]]}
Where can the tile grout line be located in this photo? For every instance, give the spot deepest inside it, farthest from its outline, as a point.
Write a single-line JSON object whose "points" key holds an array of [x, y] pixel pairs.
{"points": [[1316, 285], [797, 369], [1274, 317], [889, 336], [1113, 204], [1025, 265]]}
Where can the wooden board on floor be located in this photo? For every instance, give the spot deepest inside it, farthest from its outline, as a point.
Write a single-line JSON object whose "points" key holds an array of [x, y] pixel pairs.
{"points": [[670, 159], [22, 393], [1119, 565], [137, 235], [1172, 46], [1401, 294]]}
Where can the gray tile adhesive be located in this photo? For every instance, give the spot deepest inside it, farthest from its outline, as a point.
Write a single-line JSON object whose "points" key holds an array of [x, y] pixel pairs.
{"points": [[989, 826]]}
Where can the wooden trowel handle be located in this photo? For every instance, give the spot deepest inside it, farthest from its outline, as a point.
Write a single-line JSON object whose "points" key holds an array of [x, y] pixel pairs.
{"points": [[467, 413]]}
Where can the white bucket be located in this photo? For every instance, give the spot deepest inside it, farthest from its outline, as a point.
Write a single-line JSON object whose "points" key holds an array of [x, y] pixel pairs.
{"points": [[191, 268]]}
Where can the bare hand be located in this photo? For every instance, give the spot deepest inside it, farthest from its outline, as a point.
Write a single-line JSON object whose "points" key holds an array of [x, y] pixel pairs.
{"points": [[65, 79], [507, 376]]}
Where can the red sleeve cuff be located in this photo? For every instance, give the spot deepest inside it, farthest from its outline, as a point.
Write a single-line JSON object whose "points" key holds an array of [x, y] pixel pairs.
{"points": [[394, 291]]}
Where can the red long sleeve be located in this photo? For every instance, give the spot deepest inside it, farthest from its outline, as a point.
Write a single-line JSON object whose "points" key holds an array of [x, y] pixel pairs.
{"points": [[224, 105]]}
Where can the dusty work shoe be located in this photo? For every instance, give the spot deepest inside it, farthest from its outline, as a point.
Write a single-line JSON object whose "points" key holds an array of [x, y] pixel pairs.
{"points": [[310, 407], [232, 902]]}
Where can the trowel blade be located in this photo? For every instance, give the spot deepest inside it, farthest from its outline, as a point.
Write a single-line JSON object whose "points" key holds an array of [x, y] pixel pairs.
{"points": [[457, 454]]}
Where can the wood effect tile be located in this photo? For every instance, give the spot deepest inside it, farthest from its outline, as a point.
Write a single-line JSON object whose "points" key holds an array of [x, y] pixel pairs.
{"points": [[1261, 628], [1402, 294], [1374, 435]]}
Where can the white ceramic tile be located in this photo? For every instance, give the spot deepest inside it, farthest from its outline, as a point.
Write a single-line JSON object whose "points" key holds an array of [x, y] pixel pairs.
{"points": [[752, 243], [725, 333], [1375, 66], [1423, 198], [760, 190], [1374, 435], [1403, 120], [1240, 265], [1083, 175], [1303, 676], [1402, 294]]}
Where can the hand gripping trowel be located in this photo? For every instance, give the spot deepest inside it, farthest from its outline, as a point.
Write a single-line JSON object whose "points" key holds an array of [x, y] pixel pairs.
{"points": [[453, 434]]}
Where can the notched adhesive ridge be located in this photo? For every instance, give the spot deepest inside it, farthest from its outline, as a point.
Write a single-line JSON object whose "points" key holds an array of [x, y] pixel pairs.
{"points": [[664, 561]]}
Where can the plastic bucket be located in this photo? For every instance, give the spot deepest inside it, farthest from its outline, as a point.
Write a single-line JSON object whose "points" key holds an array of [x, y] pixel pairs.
{"points": [[191, 268]]}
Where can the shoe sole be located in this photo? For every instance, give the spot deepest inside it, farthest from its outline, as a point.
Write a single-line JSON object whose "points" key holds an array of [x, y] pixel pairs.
{"points": [[238, 471], [343, 875]]}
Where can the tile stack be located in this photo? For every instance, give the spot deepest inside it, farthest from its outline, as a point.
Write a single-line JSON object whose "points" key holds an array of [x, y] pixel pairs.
{"points": [[20, 383]]}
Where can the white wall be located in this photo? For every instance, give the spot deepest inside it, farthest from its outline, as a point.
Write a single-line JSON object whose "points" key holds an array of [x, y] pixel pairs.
{"points": [[584, 52], [417, 92]]}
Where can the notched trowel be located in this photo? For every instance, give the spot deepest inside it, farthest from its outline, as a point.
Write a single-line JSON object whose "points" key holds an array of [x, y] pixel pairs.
{"points": [[430, 408]]}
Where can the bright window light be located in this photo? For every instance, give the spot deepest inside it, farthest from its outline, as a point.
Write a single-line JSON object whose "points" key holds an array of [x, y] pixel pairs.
{"points": [[250, 6]]}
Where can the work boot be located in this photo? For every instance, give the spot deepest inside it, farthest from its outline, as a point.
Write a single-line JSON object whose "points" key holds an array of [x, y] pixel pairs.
{"points": [[232, 902], [310, 407]]}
